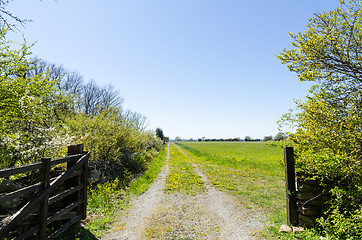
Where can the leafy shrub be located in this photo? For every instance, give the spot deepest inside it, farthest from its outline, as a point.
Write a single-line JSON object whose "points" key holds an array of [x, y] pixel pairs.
{"points": [[342, 225], [29, 129], [327, 148], [113, 139], [328, 139]]}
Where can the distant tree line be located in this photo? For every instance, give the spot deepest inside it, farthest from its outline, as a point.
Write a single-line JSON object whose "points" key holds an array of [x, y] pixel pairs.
{"points": [[220, 140], [278, 137]]}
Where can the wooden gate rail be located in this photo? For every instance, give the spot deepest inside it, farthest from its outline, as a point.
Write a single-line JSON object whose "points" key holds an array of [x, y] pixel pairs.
{"points": [[74, 197]]}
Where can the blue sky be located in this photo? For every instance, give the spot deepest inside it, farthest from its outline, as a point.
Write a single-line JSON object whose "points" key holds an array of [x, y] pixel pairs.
{"points": [[195, 68]]}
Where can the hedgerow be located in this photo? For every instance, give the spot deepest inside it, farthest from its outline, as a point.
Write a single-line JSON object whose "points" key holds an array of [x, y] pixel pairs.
{"points": [[328, 137]]}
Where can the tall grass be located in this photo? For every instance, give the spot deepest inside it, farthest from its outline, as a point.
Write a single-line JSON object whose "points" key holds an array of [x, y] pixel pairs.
{"points": [[104, 202]]}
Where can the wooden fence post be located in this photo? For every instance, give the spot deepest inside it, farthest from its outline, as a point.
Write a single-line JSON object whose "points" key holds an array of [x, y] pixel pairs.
{"points": [[84, 190], [76, 181], [43, 211], [291, 195]]}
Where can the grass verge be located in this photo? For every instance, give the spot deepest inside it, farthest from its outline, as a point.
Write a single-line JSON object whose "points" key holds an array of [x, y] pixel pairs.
{"points": [[141, 184]]}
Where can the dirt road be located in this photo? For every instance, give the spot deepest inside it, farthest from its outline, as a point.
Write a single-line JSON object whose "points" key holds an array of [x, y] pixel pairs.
{"points": [[209, 215]]}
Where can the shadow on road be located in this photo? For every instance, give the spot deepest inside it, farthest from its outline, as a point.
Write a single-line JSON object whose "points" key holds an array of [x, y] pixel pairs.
{"points": [[77, 232]]}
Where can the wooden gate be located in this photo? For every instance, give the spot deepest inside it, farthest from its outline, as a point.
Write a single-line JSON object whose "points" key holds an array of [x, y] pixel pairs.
{"points": [[305, 198], [52, 202]]}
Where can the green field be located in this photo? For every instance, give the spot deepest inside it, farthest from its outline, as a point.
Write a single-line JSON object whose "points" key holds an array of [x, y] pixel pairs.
{"points": [[252, 172]]}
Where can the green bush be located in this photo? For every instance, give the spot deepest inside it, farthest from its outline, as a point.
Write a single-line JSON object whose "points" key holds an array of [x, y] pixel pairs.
{"points": [[29, 127], [343, 225], [328, 124], [141, 184], [116, 145]]}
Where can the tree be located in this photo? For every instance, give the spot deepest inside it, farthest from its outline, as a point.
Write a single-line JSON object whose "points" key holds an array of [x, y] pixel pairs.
{"points": [[133, 120], [89, 98], [280, 136], [177, 138], [268, 138], [247, 138], [329, 53], [26, 107], [329, 50], [69, 82], [328, 137], [159, 134], [8, 19]]}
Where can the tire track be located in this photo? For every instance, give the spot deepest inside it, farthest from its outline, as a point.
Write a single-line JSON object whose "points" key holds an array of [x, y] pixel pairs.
{"points": [[141, 207], [237, 222]]}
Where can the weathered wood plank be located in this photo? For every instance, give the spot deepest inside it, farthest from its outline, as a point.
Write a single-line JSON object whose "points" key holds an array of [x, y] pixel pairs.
{"points": [[24, 191], [60, 213], [85, 191], [309, 210], [7, 172], [18, 193], [66, 159], [291, 196], [76, 173], [63, 194], [306, 221], [67, 216], [43, 211], [64, 227], [75, 181]]}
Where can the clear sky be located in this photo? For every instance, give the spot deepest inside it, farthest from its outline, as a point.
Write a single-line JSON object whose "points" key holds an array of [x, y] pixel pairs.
{"points": [[195, 68]]}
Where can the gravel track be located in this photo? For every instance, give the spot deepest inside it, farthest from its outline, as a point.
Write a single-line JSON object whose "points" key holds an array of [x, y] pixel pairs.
{"points": [[210, 215], [141, 207], [237, 222]]}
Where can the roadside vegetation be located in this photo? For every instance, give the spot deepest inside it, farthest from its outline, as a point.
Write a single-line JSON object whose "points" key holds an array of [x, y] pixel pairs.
{"points": [[328, 124], [107, 202], [44, 108], [141, 184]]}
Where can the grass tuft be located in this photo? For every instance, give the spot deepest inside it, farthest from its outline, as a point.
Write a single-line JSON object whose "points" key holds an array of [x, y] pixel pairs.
{"points": [[182, 177]]}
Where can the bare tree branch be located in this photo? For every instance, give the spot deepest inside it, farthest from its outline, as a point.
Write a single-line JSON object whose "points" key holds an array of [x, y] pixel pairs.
{"points": [[8, 19]]}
